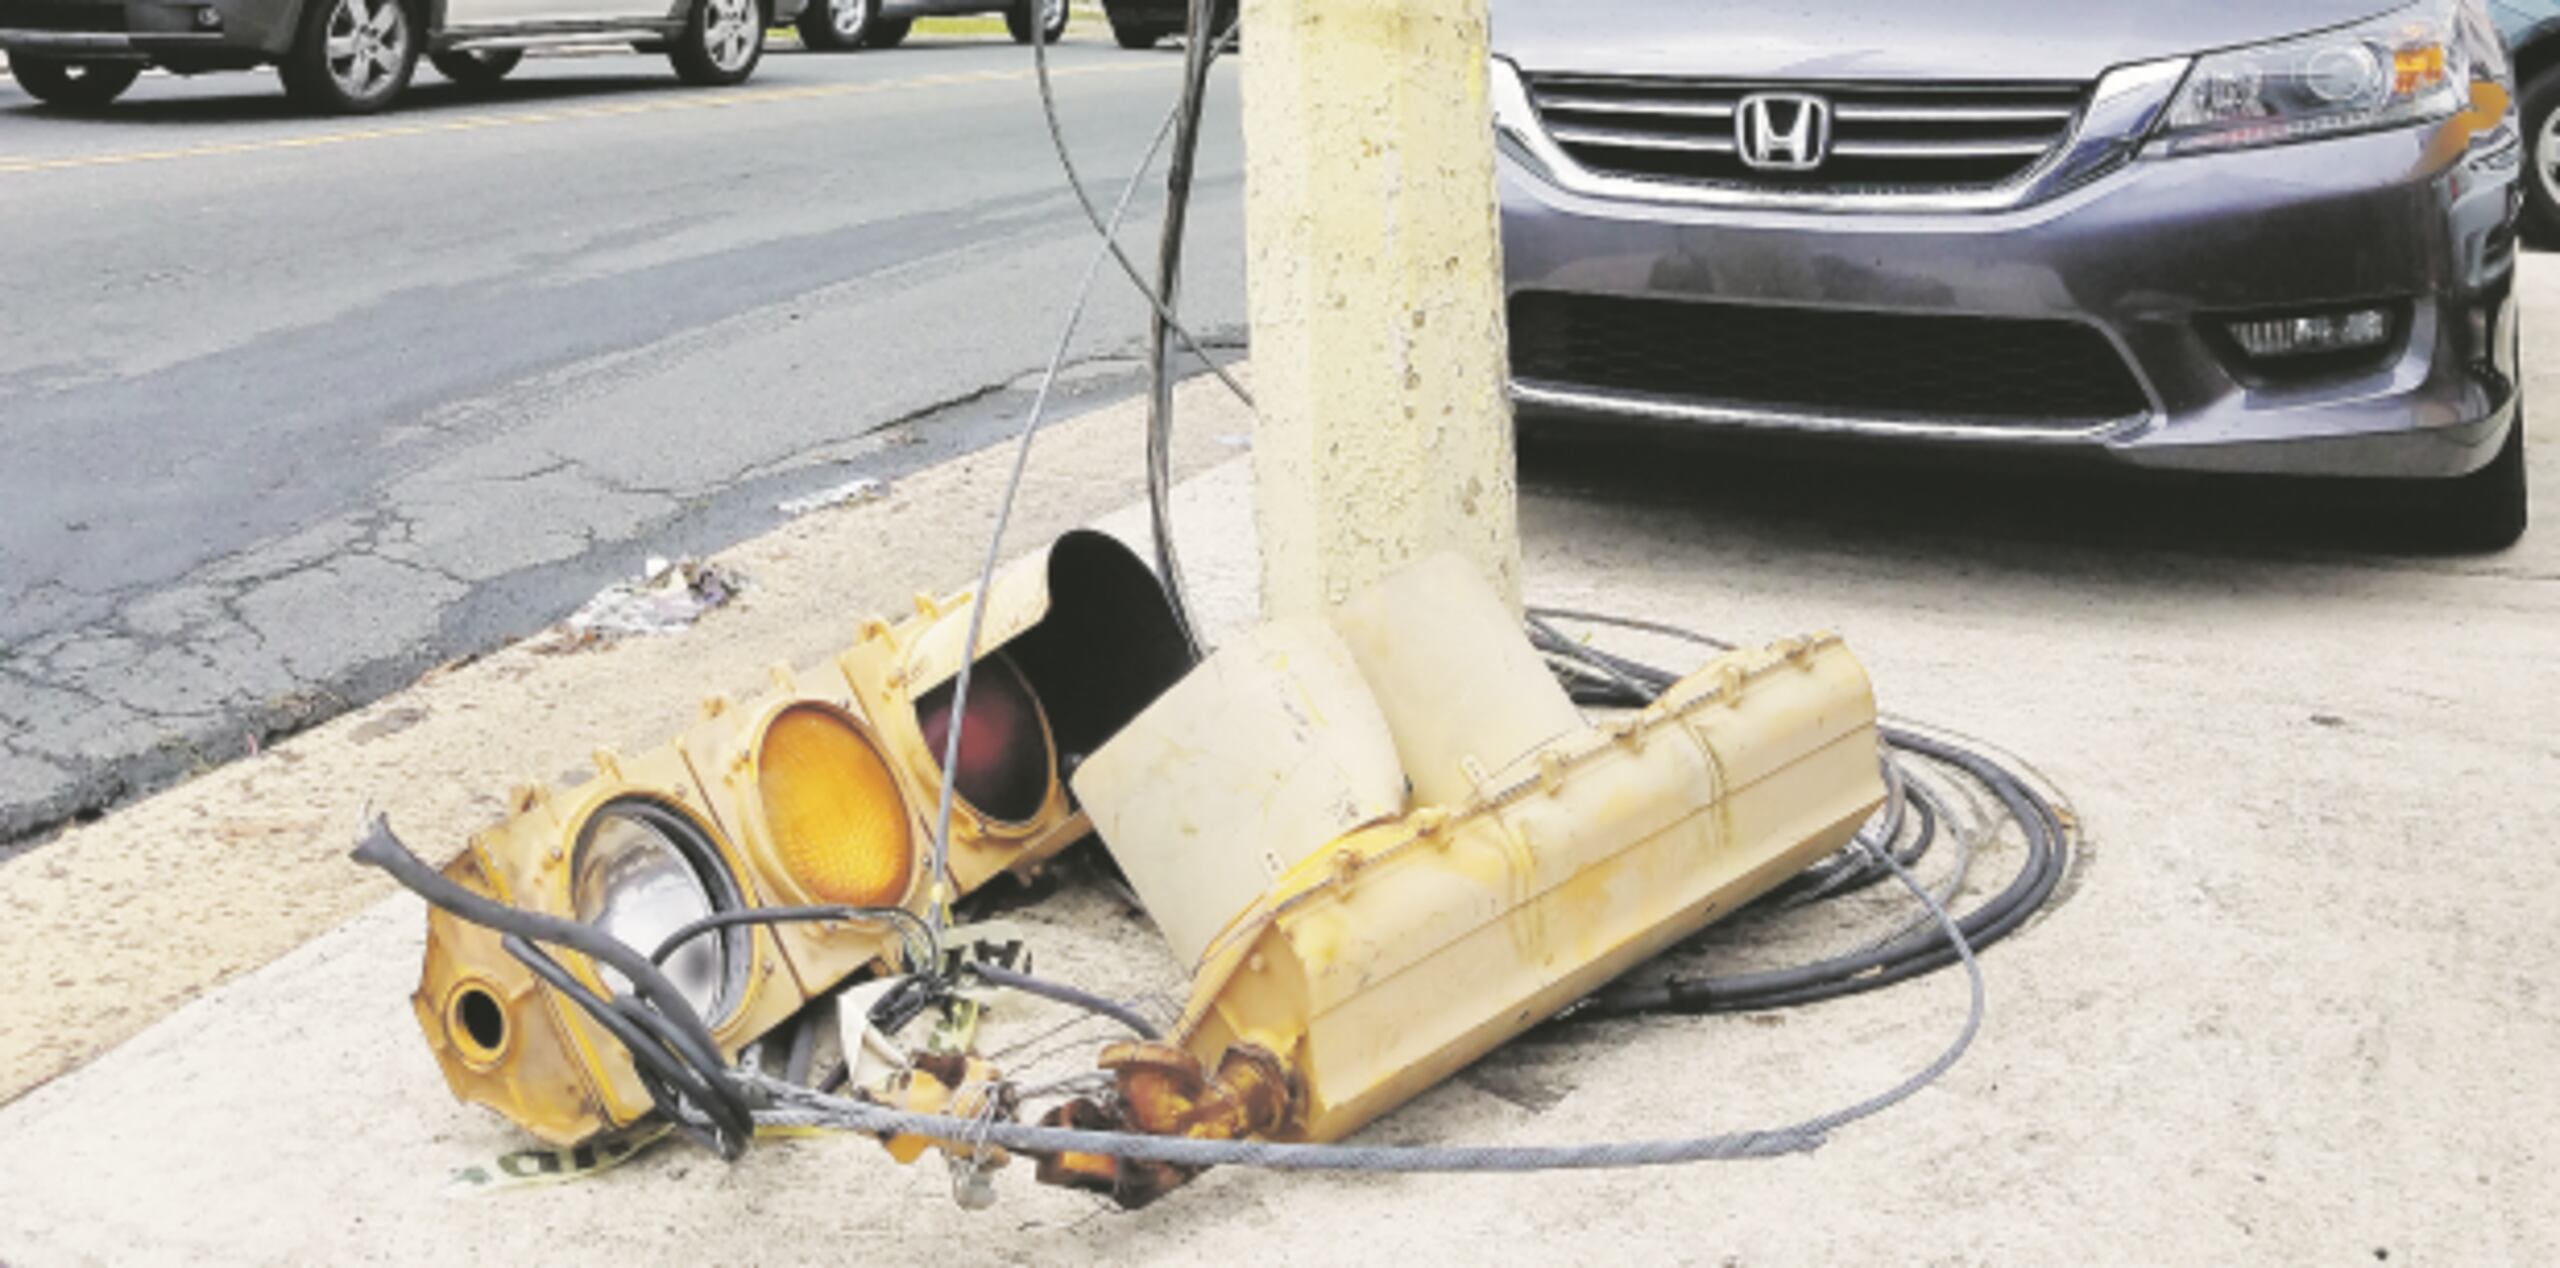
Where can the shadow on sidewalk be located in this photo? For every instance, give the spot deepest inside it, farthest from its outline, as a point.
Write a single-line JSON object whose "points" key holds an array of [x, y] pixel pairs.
{"points": [[1932, 501]]}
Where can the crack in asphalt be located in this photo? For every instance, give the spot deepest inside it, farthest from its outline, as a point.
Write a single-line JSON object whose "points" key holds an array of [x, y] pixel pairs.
{"points": [[219, 635]]}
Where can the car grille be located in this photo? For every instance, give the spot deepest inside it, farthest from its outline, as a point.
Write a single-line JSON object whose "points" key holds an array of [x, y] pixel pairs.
{"points": [[1900, 138], [61, 15], [1990, 372]]}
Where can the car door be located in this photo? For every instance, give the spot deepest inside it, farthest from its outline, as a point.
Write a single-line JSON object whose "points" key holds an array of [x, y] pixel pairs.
{"points": [[536, 16]]}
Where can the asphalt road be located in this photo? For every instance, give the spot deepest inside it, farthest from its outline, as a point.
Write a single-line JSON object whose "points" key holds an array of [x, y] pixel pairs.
{"points": [[293, 409]]}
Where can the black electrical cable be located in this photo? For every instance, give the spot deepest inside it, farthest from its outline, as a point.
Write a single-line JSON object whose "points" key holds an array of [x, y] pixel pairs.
{"points": [[1065, 994], [669, 1043], [1198, 58], [2047, 860], [1632, 623], [672, 1081], [1621, 685], [1855, 870], [382, 849], [1853, 974], [1093, 215], [804, 1049], [1614, 683], [908, 921]]}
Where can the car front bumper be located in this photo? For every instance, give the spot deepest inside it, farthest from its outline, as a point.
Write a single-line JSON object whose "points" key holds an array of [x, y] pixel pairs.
{"points": [[170, 32], [2155, 255], [1170, 15]]}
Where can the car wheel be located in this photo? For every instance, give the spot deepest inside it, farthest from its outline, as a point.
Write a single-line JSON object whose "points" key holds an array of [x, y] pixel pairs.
{"points": [[477, 66], [1136, 35], [1053, 20], [2482, 512], [79, 85], [890, 32], [721, 43], [838, 26], [352, 56], [2541, 111]]}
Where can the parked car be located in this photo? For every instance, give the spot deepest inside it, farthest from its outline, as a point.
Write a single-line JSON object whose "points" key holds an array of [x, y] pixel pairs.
{"points": [[845, 25], [2532, 28], [1144, 23], [357, 56], [2273, 237]]}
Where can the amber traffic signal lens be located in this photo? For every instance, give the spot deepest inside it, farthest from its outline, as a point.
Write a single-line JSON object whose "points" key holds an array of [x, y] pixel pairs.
{"points": [[837, 823]]}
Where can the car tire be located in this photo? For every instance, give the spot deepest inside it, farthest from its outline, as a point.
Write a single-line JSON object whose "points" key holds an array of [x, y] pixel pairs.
{"points": [[1136, 35], [838, 26], [70, 84], [721, 43], [351, 56], [2540, 111], [477, 68], [2479, 513], [1053, 20], [890, 32]]}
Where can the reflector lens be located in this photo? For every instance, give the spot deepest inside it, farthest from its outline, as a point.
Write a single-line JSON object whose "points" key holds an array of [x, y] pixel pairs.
{"points": [[832, 810], [635, 881], [1005, 766]]}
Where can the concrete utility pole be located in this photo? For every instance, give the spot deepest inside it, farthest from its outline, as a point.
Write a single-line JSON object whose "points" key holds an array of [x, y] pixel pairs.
{"points": [[1375, 293]]}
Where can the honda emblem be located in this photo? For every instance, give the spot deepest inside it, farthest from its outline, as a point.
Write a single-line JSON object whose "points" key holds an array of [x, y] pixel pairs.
{"points": [[1783, 131]]}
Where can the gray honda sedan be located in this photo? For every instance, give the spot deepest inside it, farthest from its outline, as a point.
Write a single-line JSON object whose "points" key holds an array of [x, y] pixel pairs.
{"points": [[2272, 237]]}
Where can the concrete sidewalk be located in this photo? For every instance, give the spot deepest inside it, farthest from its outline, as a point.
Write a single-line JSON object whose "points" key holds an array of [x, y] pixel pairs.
{"points": [[2293, 1005]]}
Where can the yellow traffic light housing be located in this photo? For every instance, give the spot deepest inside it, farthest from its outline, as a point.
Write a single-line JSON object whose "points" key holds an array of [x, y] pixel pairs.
{"points": [[495, 1027], [817, 791], [1354, 943], [638, 851]]}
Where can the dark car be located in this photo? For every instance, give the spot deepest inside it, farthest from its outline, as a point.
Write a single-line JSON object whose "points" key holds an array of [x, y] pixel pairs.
{"points": [[839, 26], [356, 56], [2532, 28], [2274, 237], [1143, 23]]}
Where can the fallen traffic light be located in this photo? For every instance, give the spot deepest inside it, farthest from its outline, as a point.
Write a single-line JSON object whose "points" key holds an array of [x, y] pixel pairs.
{"points": [[819, 791]]}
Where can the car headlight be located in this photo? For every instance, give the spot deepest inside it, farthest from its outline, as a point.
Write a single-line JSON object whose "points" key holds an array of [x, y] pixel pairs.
{"points": [[2409, 66], [644, 872]]}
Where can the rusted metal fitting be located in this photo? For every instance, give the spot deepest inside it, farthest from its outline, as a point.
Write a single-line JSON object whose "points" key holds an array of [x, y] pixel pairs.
{"points": [[949, 1084], [1163, 1092], [1130, 1183], [1166, 1095]]}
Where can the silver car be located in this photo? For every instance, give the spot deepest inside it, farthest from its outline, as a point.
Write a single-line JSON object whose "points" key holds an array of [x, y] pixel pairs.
{"points": [[2271, 237], [357, 56]]}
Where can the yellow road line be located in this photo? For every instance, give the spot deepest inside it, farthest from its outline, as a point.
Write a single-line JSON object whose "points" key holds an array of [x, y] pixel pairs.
{"points": [[483, 122]]}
